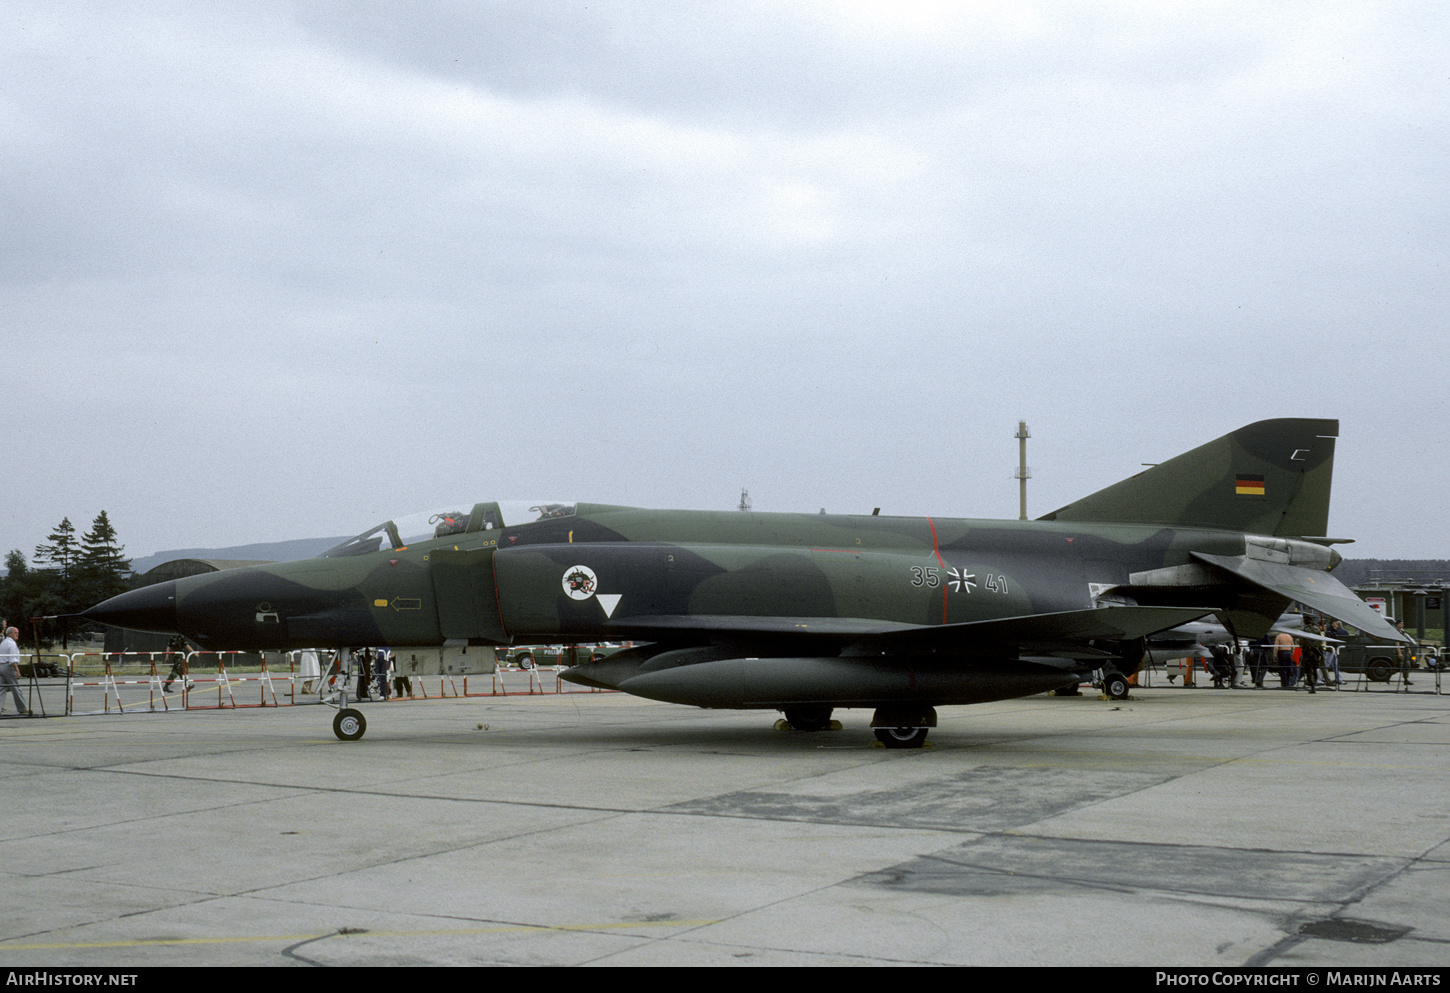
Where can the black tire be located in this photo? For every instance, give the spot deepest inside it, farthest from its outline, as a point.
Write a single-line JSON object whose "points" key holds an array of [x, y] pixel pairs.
{"points": [[525, 661], [1381, 670], [349, 724], [1115, 685], [808, 718], [901, 737]]}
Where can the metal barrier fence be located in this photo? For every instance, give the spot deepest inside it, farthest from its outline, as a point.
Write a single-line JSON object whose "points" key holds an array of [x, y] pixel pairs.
{"points": [[1194, 671], [87, 683], [93, 683], [42, 685]]}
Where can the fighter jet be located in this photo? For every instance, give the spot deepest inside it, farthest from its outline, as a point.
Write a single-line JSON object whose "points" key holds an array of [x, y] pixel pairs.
{"points": [[806, 613], [1197, 639]]}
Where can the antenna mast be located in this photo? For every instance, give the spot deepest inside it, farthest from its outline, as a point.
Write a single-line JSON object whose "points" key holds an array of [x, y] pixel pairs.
{"points": [[1023, 473]]}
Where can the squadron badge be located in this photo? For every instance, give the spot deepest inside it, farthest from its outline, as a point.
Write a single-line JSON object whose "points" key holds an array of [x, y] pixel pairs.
{"points": [[580, 582]]}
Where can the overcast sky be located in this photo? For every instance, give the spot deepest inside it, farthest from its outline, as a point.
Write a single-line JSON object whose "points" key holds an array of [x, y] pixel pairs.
{"points": [[280, 270]]}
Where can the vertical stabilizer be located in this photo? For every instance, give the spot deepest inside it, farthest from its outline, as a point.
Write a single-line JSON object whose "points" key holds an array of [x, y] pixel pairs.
{"points": [[1271, 477]]}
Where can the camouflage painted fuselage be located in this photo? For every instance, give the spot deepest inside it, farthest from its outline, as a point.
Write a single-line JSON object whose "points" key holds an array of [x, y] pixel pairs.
{"points": [[756, 609], [674, 574]]}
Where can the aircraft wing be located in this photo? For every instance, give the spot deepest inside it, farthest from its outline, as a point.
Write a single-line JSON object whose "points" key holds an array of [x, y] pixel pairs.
{"points": [[1063, 631], [1100, 624], [960, 663], [666, 625]]}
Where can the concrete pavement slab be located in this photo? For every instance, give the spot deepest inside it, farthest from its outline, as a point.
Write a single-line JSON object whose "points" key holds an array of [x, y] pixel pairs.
{"points": [[1181, 827]]}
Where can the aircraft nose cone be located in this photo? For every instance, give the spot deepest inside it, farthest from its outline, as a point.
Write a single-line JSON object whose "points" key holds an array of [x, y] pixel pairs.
{"points": [[151, 608]]}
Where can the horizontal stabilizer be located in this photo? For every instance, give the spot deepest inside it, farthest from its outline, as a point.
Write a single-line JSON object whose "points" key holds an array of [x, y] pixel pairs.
{"points": [[1314, 589]]}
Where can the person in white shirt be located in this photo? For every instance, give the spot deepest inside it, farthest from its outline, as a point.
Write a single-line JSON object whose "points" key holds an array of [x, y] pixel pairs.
{"points": [[10, 670]]}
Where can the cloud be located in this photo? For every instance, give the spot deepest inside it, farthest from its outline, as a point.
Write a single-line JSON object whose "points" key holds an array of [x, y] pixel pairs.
{"points": [[829, 251]]}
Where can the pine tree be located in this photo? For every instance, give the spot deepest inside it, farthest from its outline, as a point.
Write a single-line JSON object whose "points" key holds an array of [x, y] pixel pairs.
{"points": [[63, 551], [11, 587], [59, 580], [103, 571]]}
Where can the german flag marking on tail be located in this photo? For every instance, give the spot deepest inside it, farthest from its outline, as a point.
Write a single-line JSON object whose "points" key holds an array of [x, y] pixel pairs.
{"points": [[1249, 485]]}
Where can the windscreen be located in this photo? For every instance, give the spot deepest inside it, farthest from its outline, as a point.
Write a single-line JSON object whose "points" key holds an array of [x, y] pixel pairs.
{"points": [[400, 533]]}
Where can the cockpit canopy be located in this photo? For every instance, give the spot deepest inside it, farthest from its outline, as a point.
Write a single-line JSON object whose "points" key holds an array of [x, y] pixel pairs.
{"points": [[401, 532]]}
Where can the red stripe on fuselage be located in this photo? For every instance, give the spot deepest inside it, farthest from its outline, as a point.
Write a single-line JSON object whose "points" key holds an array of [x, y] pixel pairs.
{"points": [[941, 562]]}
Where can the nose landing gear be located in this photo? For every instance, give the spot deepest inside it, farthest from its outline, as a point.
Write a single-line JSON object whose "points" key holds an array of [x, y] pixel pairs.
{"points": [[349, 724]]}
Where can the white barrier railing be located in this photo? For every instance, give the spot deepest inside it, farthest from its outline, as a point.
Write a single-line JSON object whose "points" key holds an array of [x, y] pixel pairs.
{"points": [[98, 683]]}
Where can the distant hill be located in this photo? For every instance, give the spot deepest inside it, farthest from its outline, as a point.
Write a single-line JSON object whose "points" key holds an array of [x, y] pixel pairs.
{"points": [[267, 551]]}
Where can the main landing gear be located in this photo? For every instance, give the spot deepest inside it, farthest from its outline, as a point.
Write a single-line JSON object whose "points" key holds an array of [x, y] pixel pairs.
{"points": [[1115, 685], [895, 727], [903, 727], [901, 737], [810, 718]]}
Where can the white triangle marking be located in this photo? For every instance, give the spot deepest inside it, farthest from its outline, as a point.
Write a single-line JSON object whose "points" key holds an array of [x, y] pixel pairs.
{"points": [[608, 601]]}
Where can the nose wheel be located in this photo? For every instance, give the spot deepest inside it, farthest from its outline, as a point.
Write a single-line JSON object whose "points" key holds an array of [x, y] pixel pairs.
{"points": [[349, 724]]}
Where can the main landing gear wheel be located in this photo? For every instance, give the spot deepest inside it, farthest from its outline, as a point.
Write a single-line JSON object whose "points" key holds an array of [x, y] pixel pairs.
{"points": [[808, 718], [901, 737], [1115, 685], [349, 724]]}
